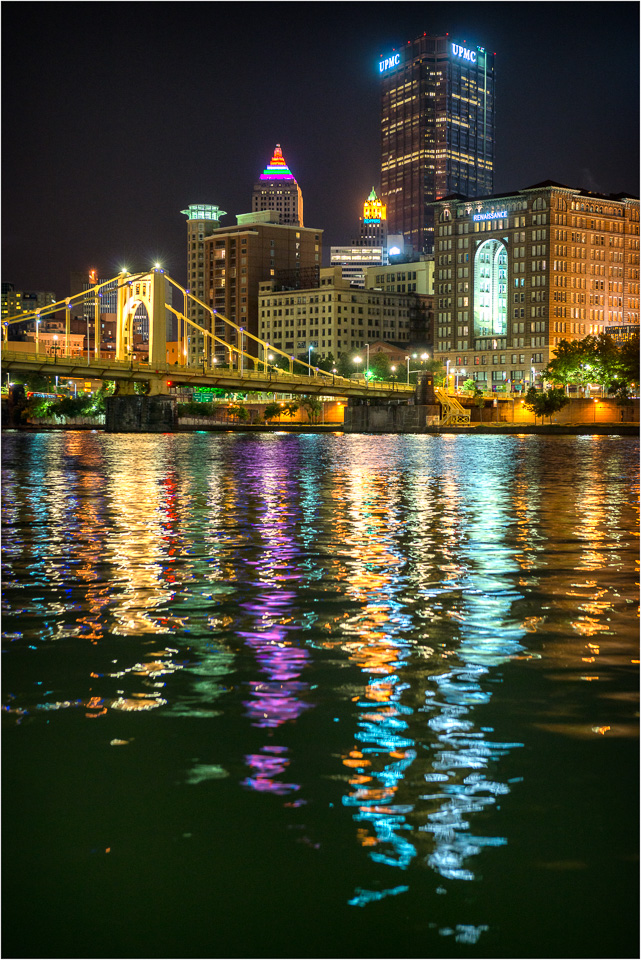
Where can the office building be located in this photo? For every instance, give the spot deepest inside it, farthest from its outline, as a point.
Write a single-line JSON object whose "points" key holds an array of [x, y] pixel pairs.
{"points": [[15, 302], [415, 277], [437, 131], [516, 273], [237, 258], [334, 317], [278, 190], [369, 248], [202, 220], [354, 261]]}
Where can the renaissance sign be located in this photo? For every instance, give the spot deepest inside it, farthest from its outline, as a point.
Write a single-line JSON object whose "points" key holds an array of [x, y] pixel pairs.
{"points": [[495, 215]]}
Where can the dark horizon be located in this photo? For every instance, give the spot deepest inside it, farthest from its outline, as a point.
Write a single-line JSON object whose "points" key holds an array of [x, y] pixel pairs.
{"points": [[114, 124]]}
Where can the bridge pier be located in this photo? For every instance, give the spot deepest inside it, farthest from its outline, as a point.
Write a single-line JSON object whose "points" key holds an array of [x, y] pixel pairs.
{"points": [[363, 415], [136, 413]]}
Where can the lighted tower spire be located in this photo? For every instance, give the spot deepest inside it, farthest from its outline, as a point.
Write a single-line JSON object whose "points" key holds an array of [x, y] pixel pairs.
{"points": [[278, 190]]}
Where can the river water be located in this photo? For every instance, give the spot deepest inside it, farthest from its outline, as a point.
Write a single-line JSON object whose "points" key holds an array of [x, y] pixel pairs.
{"points": [[320, 696]]}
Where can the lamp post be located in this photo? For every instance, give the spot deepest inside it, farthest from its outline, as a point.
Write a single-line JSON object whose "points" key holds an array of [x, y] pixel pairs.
{"points": [[533, 373], [408, 369], [367, 366], [393, 369], [447, 375], [357, 360], [55, 355], [309, 360]]}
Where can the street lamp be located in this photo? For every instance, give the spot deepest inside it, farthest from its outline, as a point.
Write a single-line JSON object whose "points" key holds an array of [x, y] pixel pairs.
{"points": [[367, 366], [357, 360], [55, 347], [447, 381], [533, 372], [408, 369], [309, 360]]}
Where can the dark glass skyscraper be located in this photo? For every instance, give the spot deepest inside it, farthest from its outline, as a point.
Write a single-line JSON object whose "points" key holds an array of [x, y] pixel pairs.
{"points": [[437, 131]]}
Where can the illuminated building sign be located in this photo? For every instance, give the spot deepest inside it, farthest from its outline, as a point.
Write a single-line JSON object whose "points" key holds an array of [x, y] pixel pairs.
{"points": [[277, 169], [498, 215], [464, 54], [389, 63]]}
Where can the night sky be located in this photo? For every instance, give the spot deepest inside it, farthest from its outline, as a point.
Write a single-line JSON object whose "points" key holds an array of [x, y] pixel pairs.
{"points": [[118, 115]]}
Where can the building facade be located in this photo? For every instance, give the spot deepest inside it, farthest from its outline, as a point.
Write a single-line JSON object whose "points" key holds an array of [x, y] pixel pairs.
{"points": [[437, 131], [15, 302], [516, 273], [238, 258], [278, 190], [331, 318], [414, 277], [202, 220]]}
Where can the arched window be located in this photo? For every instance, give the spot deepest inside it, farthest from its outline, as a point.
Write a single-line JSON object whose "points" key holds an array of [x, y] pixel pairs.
{"points": [[490, 289], [539, 204]]}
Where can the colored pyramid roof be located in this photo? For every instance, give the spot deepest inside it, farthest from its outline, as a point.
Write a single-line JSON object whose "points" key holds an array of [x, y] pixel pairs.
{"points": [[277, 169]]}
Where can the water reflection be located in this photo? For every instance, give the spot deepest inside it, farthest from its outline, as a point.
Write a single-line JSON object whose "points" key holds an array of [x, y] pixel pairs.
{"points": [[402, 591]]}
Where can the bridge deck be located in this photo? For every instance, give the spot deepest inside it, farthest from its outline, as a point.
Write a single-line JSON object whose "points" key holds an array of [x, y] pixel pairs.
{"points": [[277, 381]]}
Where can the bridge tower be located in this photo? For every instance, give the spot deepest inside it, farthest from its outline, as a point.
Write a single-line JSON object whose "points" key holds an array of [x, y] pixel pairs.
{"points": [[150, 291], [127, 411]]}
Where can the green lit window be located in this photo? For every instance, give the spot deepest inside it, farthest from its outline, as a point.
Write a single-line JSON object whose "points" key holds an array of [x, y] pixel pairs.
{"points": [[490, 289]]}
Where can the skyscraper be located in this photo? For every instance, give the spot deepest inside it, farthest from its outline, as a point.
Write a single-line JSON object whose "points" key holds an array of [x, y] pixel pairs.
{"points": [[278, 190], [437, 131], [369, 248], [202, 220]]}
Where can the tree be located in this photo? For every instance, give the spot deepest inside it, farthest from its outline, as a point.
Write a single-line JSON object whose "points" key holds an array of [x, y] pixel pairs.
{"points": [[544, 404], [346, 365], [629, 357], [271, 411], [438, 371], [327, 363], [590, 360], [289, 409], [313, 406], [470, 385], [380, 366], [239, 411]]}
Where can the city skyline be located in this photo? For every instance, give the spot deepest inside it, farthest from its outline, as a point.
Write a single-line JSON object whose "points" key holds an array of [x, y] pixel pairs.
{"points": [[191, 125]]}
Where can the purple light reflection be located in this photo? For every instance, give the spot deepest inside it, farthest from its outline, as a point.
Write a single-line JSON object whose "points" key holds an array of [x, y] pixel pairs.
{"points": [[266, 767]]}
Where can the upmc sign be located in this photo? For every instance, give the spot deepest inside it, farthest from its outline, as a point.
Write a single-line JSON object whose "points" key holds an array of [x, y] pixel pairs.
{"points": [[389, 63], [463, 53]]}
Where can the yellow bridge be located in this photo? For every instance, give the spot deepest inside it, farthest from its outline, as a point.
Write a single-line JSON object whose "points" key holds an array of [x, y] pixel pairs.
{"points": [[244, 370]]}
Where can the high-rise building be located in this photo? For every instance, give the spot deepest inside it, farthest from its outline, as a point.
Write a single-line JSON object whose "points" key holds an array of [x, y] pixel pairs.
{"points": [[369, 248], [238, 258], [278, 190], [515, 273], [437, 131], [373, 223], [202, 220]]}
